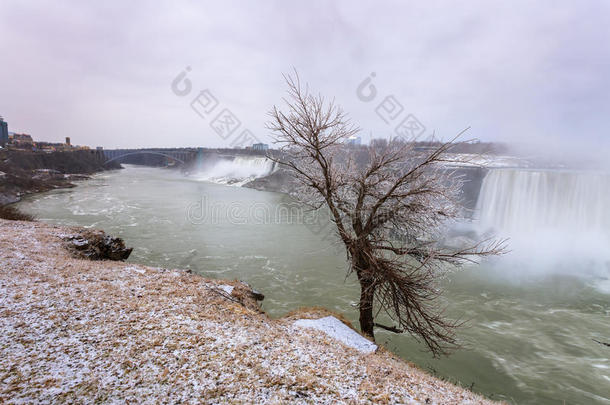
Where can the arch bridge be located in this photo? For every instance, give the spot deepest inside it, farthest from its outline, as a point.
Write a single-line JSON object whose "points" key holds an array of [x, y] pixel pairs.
{"points": [[152, 156]]}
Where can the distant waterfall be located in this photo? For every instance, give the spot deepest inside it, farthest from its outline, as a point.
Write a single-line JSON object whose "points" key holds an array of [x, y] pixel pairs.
{"points": [[557, 221], [518, 200], [237, 171]]}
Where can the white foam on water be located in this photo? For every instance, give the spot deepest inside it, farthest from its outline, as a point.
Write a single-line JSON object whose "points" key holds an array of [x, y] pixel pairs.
{"points": [[238, 171]]}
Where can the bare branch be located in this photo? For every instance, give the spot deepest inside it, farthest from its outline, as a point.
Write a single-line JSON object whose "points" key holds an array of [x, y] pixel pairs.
{"points": [[389, 328]]}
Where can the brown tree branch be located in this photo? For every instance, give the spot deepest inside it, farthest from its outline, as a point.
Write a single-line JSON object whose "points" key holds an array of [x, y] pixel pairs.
{"points": [[389, 328]]}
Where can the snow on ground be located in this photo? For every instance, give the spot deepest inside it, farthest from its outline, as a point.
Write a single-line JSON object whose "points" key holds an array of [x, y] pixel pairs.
{"points": [[82, 331], [338, 330]]}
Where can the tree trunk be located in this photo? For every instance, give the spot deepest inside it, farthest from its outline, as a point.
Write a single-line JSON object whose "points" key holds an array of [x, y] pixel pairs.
{"points": [[361, 267], [367, 323]]}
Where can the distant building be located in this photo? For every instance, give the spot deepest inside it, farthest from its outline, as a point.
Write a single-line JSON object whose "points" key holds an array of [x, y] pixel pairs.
{"points": [[3, 132], [379, 143], [353, 140], [67, 140], [23, 139], [47, 146], [260, 146]]}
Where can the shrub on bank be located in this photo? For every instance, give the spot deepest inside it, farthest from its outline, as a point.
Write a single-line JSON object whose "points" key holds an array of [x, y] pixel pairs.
{"points": [[12, 213]]}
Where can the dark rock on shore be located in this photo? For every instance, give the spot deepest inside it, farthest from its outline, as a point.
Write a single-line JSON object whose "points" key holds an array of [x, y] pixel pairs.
{"points": [[96, 245], [257, 295], [279, 181]]}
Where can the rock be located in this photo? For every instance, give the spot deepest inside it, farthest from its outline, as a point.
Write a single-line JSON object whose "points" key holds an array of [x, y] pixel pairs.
{"points": [[96, 245], [280, 181], [8, 198], [246, 296], [258, 296]]}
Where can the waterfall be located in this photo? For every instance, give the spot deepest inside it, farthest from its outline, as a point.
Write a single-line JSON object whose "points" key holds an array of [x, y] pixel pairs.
{"points": [[554, 217], [237, 171], [518, 200]]}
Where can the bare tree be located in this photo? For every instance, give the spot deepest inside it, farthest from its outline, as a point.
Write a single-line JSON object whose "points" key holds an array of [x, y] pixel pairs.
{"points": [[390, 210]]}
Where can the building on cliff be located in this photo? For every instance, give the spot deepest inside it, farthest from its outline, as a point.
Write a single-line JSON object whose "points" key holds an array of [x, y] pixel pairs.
{"points": [[3, 132], [24, 140], [354, 141], [260, 146]]}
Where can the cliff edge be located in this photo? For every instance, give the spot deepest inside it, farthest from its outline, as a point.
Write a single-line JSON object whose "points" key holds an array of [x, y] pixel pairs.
{"points": [[25, 172], [76, 330]]}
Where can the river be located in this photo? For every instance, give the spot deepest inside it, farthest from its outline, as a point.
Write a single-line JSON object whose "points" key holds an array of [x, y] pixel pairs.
{"points": [[530, 334]]}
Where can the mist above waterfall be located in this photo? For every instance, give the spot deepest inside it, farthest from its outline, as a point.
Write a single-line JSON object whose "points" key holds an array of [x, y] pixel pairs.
{"points": [[236, 171], [557, 220]]}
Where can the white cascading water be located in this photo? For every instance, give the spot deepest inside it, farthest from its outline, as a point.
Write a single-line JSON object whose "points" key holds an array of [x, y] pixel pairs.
{"points": [[551, 216], [517, 200], [237, 171]]}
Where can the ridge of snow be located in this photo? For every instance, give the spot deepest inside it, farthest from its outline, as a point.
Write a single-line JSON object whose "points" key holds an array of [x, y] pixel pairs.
{"points": [[339, 331], [226, 288]]}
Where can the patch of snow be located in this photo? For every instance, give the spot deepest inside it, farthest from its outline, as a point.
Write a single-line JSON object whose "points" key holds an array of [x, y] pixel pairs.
{"points": [[226, 288], [136, 269], [339, 331]]}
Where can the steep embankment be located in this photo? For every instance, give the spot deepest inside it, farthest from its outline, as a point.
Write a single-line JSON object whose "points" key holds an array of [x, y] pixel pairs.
{"points": [[83, 331], [23, 172], [280, 181]]}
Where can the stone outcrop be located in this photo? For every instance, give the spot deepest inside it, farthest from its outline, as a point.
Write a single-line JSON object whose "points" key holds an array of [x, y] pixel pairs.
{"points": [[280, 181], [96, 245]]}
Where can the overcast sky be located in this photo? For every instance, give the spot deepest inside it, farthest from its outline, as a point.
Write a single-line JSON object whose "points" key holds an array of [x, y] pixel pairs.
{"points": [[102, 72]]}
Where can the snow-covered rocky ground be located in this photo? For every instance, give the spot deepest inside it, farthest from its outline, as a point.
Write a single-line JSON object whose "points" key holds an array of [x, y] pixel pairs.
{"points": [[81, 332]]}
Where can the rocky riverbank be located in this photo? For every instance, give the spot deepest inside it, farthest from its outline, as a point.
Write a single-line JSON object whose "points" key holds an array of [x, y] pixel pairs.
{"points": [[77, 330], [26, 172]]}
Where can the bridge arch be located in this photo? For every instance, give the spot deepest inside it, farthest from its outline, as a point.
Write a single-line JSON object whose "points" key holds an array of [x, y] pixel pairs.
{"points": [[142, 152]]}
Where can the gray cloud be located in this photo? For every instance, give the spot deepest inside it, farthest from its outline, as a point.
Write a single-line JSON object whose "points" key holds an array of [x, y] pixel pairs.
{"points": [[100, 72]]}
